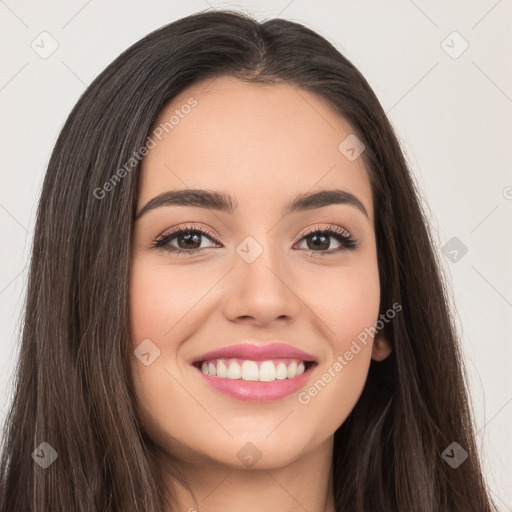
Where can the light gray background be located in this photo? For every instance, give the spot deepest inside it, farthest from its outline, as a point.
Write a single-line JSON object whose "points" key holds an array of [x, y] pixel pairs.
{"points": [[452, 115]]}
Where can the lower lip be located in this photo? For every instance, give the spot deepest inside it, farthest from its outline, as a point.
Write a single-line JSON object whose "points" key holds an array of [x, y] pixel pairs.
{"points": [[255, 391]]}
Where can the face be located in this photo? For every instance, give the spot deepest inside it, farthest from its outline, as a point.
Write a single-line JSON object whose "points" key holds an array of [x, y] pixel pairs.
{"points": [[276, 289]]}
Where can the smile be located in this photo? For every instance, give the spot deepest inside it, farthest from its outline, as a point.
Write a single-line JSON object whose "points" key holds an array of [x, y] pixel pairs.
{"points": [[251, 371], [256, 371]]}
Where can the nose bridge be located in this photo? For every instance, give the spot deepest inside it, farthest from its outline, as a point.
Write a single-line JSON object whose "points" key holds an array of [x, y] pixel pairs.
{"points": [[259, 260], [260, 285]]}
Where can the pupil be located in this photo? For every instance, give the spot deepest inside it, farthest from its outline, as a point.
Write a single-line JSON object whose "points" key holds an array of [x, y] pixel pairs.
{"points": [[322, 245], [189, 238]]}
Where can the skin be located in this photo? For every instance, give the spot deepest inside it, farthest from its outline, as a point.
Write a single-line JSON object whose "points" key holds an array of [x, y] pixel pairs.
{"points": [[262, 144]]}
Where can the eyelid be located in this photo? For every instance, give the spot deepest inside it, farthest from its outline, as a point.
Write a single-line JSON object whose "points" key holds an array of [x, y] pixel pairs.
{"points": [[321, 227], [309, 230], [187, 227]]}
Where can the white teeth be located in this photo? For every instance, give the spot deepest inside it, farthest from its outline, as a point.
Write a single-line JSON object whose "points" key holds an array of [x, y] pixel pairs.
{"points": [[249, 370], [222, 369], [267, 371], [234, 370], [292, 370], [263, 371], [281, 371]]}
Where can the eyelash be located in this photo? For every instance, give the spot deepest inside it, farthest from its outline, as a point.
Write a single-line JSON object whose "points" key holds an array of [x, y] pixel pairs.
{"points": [[340, 234]]}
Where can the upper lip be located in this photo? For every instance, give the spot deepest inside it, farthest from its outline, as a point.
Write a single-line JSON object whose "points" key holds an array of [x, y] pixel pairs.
{"points": [[256, 352]]}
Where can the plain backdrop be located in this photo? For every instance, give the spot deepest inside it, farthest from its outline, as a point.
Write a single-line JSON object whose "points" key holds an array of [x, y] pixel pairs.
{"points": [[442, 73]]}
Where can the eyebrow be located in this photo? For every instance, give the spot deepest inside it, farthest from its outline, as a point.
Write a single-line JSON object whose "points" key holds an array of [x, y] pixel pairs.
{"points": [[225, 203]]}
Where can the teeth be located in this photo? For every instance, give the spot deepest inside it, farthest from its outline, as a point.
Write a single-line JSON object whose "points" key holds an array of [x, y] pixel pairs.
{"points": [[222, 369], [292, 370], [234, 370], [281, 371], [263, 371], [267, 371], [249, 370]]}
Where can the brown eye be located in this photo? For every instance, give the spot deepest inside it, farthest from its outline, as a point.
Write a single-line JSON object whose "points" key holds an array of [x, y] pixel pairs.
{"points": [[186, 240], [318, 240], [189, 240]]}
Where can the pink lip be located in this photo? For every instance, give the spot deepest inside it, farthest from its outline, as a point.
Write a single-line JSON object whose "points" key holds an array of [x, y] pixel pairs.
{"points": [[248, 391], [256, 353]]}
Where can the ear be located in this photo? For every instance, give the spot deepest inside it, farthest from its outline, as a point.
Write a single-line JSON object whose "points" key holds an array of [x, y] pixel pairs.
{"points": [[381, 346]]}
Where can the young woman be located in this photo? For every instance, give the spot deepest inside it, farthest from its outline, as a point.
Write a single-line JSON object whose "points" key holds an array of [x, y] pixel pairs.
{"points": [[233, 302]]}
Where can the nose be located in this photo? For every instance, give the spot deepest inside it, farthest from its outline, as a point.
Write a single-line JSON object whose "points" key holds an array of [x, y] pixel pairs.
{"points": [[261, 292]]}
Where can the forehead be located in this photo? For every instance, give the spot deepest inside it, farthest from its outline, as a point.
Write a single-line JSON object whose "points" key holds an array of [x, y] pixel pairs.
{"points": [[261, 143]]}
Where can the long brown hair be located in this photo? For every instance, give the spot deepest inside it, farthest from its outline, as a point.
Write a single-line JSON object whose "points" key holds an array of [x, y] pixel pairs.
{"points": [[73, 388]]}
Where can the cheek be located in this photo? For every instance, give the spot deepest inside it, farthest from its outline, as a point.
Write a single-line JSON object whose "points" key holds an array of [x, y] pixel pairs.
{"points": [[346, 302], [160, 307], [336, 388], [158, 310], [161, 300]]}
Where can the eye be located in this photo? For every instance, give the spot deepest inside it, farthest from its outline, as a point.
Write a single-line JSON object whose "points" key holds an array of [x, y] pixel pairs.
{"points": [[188, 239], [319, 238]]}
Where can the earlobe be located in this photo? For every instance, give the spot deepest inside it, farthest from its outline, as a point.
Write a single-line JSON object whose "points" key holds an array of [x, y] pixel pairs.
{"points": [[381, 346]]}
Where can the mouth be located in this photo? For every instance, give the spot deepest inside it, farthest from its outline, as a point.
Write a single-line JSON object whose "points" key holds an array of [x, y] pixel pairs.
{"points": [[251, 371], [254, 371]]}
